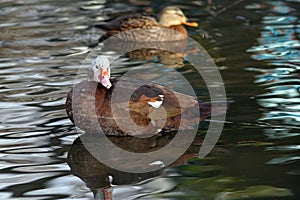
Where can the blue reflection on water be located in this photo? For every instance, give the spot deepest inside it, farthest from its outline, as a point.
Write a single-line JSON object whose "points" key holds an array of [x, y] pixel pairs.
{"points": [[278, 47]]}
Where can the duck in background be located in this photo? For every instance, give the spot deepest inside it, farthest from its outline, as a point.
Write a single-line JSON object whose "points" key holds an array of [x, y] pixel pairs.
{"points": [[103, 180], [170, 18]]}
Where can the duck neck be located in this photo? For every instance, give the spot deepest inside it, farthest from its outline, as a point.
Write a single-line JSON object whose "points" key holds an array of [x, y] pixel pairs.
{"points": [[179, 28]]}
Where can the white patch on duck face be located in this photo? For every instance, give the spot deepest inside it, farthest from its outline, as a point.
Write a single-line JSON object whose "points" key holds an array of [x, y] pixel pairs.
{"points": [[155, 104], [100, 63], [94, 72], [96, 75], [161, 96]]}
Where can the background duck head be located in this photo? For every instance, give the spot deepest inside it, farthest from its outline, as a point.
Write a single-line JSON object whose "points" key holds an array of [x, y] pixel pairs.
{"points": [[172, 16]]}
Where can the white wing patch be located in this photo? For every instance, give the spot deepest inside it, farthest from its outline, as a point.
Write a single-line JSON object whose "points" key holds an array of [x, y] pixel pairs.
{"points": [[158, 162], [155, 104]]}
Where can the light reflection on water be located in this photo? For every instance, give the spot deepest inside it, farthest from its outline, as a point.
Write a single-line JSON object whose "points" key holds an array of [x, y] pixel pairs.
{"points": [[34, 130], [278, 47], [279, 44], [42, 46]]}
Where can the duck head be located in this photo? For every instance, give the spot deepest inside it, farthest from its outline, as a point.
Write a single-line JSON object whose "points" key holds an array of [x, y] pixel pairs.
{"points": [[172, 15], [99, 71]]}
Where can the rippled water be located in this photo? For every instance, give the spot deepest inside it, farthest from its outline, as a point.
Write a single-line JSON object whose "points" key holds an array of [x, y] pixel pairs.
{"points": [[256, 47]]}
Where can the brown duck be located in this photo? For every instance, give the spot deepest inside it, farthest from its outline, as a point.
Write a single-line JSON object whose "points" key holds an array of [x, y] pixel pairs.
{"points": [[170, 18], [150, 109]]}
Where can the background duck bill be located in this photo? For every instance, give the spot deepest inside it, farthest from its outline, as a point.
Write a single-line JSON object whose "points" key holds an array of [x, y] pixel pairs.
{"points": [[193, 24]]}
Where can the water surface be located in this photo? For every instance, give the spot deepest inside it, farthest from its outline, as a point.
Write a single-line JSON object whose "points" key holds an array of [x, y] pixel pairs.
{"points": [[255, 44]]}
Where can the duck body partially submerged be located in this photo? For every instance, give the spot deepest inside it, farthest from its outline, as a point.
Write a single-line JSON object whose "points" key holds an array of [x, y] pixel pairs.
{"points": [[139, 108]]}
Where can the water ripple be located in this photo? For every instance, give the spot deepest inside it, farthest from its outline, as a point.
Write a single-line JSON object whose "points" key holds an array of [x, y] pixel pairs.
{"points": [[35, 39], [278, 49], [278, 46]]}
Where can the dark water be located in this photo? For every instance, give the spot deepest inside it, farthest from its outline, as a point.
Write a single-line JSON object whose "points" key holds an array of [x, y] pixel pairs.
{"points": [[256, 46]]}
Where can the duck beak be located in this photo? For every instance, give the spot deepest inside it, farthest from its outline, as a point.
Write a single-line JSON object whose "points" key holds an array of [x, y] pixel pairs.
{"points": [[104, 78], [188, 23]]}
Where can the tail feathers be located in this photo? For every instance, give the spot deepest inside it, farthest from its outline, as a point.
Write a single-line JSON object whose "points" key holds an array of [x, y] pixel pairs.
{"points": [[205, 109], [108, 25], [220, 107]]}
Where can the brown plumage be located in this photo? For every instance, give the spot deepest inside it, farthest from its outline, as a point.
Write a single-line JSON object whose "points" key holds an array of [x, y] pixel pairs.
{"points": [[147, 28], [89, 98], [138, 108]]}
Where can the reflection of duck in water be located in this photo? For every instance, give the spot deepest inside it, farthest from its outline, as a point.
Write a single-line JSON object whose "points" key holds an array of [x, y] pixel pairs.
{"points": [[107, 182], [150, 109], [169, 59], [171, 53], [170, 18]]}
